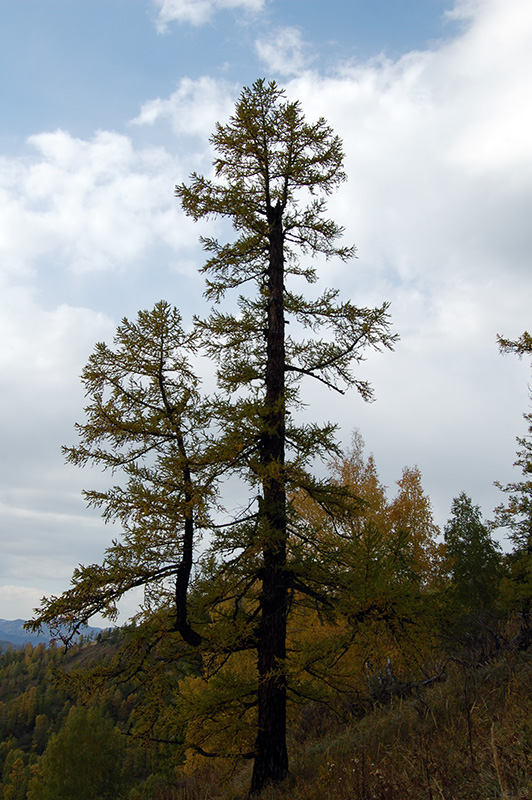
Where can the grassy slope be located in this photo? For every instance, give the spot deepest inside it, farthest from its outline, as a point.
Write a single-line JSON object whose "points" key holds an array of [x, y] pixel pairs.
{"points": [[467, 738]]}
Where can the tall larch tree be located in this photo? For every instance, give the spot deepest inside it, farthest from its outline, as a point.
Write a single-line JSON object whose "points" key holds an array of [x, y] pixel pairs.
{"points": [[273, 172]]}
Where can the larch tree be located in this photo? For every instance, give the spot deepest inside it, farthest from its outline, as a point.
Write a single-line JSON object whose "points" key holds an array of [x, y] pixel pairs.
{"points": [[147, 420], [412, 519], [382, 561], [515, 514], [273, 173]]}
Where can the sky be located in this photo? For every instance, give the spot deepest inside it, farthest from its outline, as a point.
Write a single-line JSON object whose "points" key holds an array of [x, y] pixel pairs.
{"points": [[106, 105]]}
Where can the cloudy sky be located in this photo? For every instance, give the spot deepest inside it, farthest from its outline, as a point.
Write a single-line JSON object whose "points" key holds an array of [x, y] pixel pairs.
{"points": [[106, 105]]}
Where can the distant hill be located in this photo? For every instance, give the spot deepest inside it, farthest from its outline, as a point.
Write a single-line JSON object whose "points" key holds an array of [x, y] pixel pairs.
{"points": [[13, 634]]}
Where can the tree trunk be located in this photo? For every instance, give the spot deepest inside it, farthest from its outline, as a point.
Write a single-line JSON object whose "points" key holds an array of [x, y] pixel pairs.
{"points": [[271, 757]]}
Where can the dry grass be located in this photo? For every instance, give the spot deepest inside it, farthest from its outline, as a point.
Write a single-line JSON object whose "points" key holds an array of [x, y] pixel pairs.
{"points": [[469, 738]]}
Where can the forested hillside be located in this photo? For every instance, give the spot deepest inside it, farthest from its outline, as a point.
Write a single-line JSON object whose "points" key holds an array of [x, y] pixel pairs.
{"points": [[51, 744]]}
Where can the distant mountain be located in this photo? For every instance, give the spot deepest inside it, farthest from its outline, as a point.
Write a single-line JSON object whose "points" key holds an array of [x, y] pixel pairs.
{"points": [[13, 633]]}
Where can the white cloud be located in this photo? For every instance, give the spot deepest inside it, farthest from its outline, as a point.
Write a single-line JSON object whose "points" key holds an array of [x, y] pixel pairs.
{"points": [[94, 204], [193, 109], [439, 160], [283, 51], [40, 362], [18, 602], [198, 12], [439, 178]]}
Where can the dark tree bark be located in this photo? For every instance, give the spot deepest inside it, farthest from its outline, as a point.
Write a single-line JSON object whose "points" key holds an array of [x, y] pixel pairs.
{"points": [[271, 760]]}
